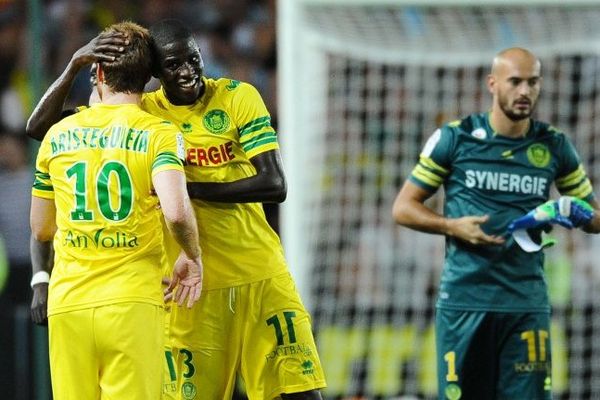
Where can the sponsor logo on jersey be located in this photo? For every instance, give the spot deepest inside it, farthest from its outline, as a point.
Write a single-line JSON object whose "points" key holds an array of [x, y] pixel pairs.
{"points": [[506, 182], [292, 349], [528, 367], [213, 155], [186, 127], [101, 240], [232, 85], [216, 121], [188, 390], [538, 155], [308, 367]]}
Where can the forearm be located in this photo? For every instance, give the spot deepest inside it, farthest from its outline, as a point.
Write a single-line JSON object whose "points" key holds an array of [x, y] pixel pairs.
{"points": [[48, 110], [416, 215], [185, 232], [42, 255], [594, 225], [255, 189]]}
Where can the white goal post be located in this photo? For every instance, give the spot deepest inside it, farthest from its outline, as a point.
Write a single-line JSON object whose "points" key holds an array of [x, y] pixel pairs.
{"points": [[362, 83]]}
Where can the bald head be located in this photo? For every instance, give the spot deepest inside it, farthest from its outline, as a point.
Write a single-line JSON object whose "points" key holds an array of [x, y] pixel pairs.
{"points": [[515, 83], [515, 56]]}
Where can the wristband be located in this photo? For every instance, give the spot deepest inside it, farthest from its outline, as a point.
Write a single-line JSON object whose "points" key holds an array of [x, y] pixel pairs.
{"points": [[40, 277]]}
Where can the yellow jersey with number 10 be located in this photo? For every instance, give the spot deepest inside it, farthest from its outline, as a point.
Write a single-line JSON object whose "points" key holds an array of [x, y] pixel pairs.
{"points": [[98, 165], [222, 131]]}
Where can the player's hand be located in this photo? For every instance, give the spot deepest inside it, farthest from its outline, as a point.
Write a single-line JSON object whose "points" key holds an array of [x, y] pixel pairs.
{"points": [[39, 304], [102, 48], [468, 229], [578, 212], [541, 217], [187, 278]]}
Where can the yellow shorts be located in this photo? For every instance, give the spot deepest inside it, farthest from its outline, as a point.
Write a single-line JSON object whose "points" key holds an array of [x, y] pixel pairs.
{"points": [[108, 352], [169, 371], [260, 330]]}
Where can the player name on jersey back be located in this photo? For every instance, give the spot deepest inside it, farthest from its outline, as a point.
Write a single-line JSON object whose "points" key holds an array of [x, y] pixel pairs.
{"points": [[113, 137]]}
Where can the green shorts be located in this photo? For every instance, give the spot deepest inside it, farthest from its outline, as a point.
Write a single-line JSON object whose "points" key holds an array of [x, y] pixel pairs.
{"points": [[493, 355], [260, 330]]}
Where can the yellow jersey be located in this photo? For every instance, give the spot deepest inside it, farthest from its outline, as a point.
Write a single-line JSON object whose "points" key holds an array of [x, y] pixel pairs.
{"points": [[98, 165], [222, 131]]}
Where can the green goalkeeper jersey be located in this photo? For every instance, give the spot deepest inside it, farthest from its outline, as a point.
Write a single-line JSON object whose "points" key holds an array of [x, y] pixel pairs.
{"points": [[484, 173]]}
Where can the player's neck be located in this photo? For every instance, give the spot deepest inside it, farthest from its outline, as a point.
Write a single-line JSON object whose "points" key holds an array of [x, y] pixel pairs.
{"points": [[504, 126], [121, 98]]}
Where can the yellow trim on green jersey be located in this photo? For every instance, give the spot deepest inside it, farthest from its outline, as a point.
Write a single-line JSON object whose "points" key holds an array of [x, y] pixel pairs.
{"points": [[432, 165], [98, 165], [581, 191], [572, 178], [427, 177], [429, 172], [222, 132], [575, 184]]}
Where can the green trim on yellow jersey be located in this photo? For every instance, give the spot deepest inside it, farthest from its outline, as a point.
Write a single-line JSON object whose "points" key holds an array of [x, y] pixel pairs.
{"points": [[222, 132], [109, 242]]}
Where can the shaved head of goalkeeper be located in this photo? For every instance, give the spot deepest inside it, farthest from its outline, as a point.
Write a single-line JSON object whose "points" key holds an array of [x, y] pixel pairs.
{"points": [[514, 82]]}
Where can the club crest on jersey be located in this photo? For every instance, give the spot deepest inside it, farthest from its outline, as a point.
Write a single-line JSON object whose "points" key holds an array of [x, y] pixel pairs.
{"points": [[538, 155], [186, 127], [453, 392], [188, 390], [216, 121], [479, 133]]}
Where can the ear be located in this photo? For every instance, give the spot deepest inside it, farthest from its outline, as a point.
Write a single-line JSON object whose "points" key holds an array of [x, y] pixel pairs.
{"points": [[491, 82], [99, 74], [99, 80]]}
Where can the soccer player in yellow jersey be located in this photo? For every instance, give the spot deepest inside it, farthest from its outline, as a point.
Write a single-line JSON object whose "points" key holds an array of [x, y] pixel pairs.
{"points": [[250, 319], [90, 197]]}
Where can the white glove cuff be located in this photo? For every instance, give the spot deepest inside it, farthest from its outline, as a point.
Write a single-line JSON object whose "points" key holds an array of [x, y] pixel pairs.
{"points": [[40, 277]]}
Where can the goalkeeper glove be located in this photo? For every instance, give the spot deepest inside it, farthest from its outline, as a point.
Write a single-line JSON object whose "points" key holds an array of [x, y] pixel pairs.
{"points": [[541, 217], [578, 212]]}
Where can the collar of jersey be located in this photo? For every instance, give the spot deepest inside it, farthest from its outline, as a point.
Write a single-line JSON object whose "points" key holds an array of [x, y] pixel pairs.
{"points": [[503, 137], [200, 101]]}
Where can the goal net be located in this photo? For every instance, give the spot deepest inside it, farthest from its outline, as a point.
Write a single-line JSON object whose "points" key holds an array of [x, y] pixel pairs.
{"points": [[362, 85]]}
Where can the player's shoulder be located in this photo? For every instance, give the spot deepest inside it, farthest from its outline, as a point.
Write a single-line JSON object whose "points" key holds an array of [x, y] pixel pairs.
{"points": [[227, 87], [548, 132], [471, 125], [151, 122]]}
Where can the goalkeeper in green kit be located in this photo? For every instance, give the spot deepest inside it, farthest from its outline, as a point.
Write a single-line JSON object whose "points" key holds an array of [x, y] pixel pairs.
{"points": [[497, 168]]}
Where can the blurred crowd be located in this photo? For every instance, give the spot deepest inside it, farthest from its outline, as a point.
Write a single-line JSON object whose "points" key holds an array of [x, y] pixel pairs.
{"points": [[37, 40]]}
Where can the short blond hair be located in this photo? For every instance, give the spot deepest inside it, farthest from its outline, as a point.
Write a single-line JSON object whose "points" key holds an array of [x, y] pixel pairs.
{"points": [[130, 72]]}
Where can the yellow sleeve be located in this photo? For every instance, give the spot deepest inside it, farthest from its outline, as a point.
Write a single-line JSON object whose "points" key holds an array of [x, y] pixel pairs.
{"points": [[254, 122], [169, 150], [42, 184]]}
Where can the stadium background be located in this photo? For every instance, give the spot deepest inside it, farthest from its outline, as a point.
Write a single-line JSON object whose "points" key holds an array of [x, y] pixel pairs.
{"points": [[357, 89]]}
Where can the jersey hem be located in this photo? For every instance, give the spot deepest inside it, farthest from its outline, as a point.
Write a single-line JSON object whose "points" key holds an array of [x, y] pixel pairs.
{"points": [[493, 309], [246, 281], [83, 306], [290, 389]]}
